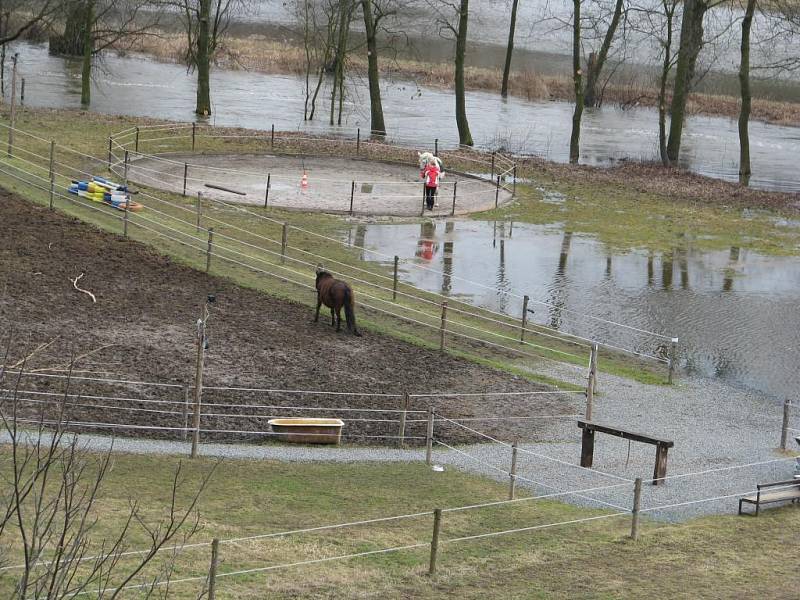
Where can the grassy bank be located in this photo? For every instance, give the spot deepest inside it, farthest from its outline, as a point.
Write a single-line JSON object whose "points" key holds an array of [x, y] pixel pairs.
{"points": [[701, 558], [256, 53]]}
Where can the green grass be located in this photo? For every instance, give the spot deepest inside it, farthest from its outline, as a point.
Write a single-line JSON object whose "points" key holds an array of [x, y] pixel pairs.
{"points": [[254, 248], [718, 557]]}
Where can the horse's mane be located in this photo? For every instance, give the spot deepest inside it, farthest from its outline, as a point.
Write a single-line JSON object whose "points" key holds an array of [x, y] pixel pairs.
{"points": [[322, 274]]}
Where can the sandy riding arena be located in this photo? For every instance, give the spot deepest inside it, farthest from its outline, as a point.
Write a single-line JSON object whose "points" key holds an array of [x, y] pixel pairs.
{"points": [[334, 185]]}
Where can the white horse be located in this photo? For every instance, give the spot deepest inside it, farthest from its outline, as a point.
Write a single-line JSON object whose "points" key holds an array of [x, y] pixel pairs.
{"points": [[426, 158]]}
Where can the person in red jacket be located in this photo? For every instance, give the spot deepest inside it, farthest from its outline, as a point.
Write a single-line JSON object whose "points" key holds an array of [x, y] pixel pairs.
{"points": [[430, 175]]}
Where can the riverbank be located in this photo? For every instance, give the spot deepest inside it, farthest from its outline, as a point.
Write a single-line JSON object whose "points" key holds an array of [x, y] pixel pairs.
{"points": [[263, 55]]}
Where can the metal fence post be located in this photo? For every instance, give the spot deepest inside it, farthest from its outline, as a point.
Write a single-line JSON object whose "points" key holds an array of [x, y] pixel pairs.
{"points": [[637, 503], [22, 93], [514, 182], [512, 474], [136, 141], [208, 250], [284, 241], [437, 525], [524, 319], [266, 191], [272, 137], [109, 153], [436, 147], [785, 426], [352, 193], [126, 216], [443, 327], [401, 434], [673, 357], [358, 141], [429, 436], [194, 134], [455, 189], [394, 279], [185, 177], [497, 192], [492, 175]]}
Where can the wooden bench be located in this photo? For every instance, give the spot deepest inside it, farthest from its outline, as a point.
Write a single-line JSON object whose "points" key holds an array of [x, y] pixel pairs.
{"points": [[587, 445], [790, 491]]}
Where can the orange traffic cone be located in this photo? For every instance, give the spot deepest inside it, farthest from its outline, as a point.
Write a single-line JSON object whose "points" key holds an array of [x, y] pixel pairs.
{"points": [[304, 181]]}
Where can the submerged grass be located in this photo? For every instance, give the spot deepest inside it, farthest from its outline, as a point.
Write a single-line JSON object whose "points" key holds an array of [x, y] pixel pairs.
{"points": [[701, 558]]}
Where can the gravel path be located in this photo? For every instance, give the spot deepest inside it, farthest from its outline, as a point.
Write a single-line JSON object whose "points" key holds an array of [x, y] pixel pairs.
{"points": [[713, 426]]}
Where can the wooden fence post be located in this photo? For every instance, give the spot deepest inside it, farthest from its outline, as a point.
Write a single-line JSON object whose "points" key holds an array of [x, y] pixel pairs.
{"points": [[401, 434], [126, 216], [492, 175], [785, 426], [524, 319], [358, 141], [212, 571], [185, 177], [352, 193], [514, 182], [497, 192], [436, 147], [272, 137], [429, 436], [591, 381], [13, 109], [52, 172], [437, 525], [455, 190], [443, 327], [198, 380], [394, 280], [284, 241], [512, 474], [136, 141], [673, 357], [637, 503], [208, 250], [266, 191], [194, 134], [198, 209]]}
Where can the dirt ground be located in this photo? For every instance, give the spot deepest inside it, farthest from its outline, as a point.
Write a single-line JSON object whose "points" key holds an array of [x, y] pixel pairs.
{"points": [[143, 327]]}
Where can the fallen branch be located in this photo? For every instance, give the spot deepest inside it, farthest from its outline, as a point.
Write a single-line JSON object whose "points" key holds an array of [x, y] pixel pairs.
{"points": [[75, 285], [39, 348]]}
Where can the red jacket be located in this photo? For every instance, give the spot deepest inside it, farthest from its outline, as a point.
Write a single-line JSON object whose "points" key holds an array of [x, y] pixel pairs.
{"points": [[431, 175]]}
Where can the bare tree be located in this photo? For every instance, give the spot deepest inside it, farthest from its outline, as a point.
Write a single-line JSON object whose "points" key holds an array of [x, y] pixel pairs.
{"points": [[48, 508], [597, 60], [744, 82], [575, 137], [374, 11], [509, 49]]}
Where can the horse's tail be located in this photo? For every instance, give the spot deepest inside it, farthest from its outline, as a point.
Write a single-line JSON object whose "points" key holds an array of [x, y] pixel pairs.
{"points": [[349, 314]]}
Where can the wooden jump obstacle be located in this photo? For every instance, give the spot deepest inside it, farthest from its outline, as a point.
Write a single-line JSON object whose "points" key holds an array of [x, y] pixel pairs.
{"points": [[587, 445]]}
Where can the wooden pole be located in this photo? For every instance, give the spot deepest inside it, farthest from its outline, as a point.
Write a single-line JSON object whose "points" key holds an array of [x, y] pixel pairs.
{"points": [[524, 319], [436, 147], [443, 327], [512, 474], [591, 381], [52, 172], [109, 153], [637, 503], [785, 426], [197, 206], [514, 182], [194, 134], [492, 175], [198, 380], [185, 176], [13, 114], [437, 525], [673, 356], [497, 192], [284, 241], [185, 412], [212, 571], [272, 137], [352, 193], [429, 437], [208, 250], [401, 434], [136, 141], [394, 280], [126, 216], [358, 141], [266, 191]]}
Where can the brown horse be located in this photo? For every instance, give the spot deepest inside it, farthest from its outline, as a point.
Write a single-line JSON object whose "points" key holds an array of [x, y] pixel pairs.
{"points": [[336, 294]]}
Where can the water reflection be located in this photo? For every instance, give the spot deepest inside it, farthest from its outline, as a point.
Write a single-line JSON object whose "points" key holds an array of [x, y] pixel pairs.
{"points": [[735, 310]]}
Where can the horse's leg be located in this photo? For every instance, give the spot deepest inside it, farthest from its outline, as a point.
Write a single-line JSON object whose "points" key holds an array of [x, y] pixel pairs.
{"points": [[319, 304], [338, 318], [333, 317]]}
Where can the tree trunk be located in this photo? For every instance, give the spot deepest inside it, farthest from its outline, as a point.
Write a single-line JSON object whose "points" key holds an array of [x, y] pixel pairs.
{"points": [[464, 135], [575, 138], [595, 67], [691, 41], [509, 49], [341, 51], [377, 125], [71, 42], [203, 106], [88, 48], [669, 12], [744, 81]]}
